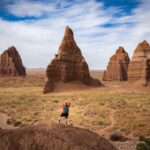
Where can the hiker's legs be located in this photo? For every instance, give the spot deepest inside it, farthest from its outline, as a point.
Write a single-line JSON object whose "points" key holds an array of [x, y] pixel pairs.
{"points": [[65, 115], [61, 115], [66, 120], [59, 119]]}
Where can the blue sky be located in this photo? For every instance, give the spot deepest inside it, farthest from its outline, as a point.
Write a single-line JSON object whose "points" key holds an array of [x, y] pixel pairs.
{"points": [[36, 27]]}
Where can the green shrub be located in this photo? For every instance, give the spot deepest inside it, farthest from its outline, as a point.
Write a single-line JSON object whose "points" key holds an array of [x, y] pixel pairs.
{"points": [[144, 143]]}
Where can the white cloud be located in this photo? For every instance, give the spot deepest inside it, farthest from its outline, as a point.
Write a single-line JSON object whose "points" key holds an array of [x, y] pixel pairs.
{"points": [[38, 40], [29, 9]]}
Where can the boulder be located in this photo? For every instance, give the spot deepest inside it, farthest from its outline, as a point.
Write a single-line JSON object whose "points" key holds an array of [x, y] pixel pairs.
{"points": [[68, 65], [11, 63], [54, 137], [139, 67], [117, 66]]}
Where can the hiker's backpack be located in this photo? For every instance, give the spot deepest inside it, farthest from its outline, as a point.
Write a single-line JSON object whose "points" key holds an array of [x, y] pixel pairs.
{"points": [[66, 109]]}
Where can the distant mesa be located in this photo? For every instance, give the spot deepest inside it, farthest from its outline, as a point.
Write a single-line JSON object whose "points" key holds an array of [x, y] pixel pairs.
{"points": [[139, 67], [118, 66], [11, 63], [68, 65], [54, 137]]}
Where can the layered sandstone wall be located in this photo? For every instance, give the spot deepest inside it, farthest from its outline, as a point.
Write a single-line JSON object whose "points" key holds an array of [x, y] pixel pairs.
{"points": [[68, 64], [139, 67], [117, 66], [11, 63]]}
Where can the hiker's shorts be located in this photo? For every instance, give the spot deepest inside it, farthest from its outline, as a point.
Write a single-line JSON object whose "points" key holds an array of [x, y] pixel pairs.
{"points": [[64, 115]]}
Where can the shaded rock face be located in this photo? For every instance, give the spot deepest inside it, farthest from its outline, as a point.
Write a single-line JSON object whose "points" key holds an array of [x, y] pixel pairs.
{"points": [[56, 137], [11, 63], [118, 66], [139, 68], [68, 64]]}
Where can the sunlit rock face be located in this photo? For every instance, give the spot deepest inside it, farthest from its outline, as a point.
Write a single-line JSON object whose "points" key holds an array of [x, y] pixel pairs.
{"points": [[139, 68], [68, 64], [52, 137], [11, 63], [117, 66]]}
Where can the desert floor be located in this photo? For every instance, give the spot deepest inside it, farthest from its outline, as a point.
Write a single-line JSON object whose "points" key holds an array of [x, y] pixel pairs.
{"points": [[117, 107]]}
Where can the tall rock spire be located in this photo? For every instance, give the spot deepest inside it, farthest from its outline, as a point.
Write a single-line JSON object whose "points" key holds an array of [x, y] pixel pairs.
{"points": [[69, 47], [68, 64]]}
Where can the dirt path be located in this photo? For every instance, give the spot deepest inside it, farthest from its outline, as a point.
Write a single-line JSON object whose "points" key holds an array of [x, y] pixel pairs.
{"points": [[111, 117], [112, 120], [3, 122]]}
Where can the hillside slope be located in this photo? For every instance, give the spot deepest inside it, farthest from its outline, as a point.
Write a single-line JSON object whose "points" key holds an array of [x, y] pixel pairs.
{"points": [[54, 137]]}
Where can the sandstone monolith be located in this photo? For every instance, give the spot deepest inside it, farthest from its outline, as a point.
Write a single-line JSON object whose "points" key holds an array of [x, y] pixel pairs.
{"points": [[139, 67], [68, 64], [11, 63], [117, 66]]}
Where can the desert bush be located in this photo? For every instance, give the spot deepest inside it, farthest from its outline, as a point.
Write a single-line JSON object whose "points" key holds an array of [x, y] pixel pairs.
{"points": [[118, 137], [144, 143]]}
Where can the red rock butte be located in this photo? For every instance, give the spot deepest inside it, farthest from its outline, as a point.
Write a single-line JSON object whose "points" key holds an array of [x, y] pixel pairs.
{"points": [[139, 67], [68, 65], [117, 66], [11, 63]]}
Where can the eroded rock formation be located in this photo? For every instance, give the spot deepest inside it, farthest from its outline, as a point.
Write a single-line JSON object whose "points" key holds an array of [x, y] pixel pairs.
{"points": [[55, 137], [139, 68], [11, 63], [68, 64], [117, 66]]}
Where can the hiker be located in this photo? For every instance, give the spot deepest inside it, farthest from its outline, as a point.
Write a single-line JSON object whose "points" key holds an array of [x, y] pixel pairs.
{"points": [[65, 112]]}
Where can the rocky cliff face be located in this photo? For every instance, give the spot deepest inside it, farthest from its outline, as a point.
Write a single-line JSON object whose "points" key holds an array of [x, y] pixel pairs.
{"points": [[68, 64], [55, 137], [117, 66], [11, 63], [139, 68]]}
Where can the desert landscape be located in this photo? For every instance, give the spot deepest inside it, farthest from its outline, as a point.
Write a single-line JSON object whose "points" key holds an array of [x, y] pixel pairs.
{"points": [[115, 108], [72, 77], [113, 103]]}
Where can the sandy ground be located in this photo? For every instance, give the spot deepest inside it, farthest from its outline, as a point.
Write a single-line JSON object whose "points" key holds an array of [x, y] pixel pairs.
{"points": [[3, 122], [111, 87]]}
